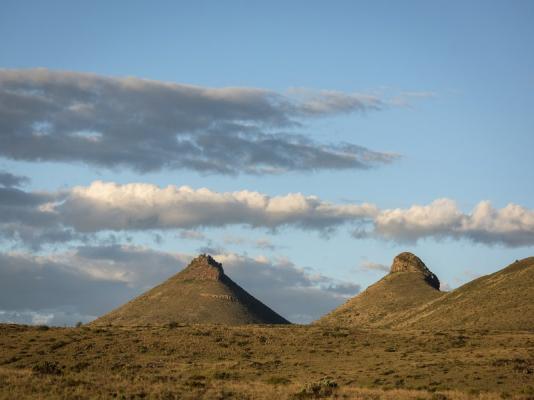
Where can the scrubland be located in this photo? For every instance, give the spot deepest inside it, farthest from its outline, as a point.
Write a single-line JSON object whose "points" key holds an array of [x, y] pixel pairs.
{"points": [[179, 361]]}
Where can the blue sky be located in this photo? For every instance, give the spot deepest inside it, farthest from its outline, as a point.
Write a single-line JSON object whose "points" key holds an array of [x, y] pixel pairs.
{"points": [[455, 81]]}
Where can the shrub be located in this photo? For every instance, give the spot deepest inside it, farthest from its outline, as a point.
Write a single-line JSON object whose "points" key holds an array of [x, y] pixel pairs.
{"points": [[47, 368], [172, 325], [78, 367], [278, 380], [222, 375], [322, 388]]}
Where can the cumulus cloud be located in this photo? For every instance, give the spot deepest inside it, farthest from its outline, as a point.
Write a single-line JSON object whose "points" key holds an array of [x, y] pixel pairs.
{"points": [[72, 286], [80, 213], [148, 125], [511, 226], [143, 206], [137, 206]]}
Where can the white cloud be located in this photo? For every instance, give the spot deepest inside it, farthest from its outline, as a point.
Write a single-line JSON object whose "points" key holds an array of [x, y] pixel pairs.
{"points": [[437, 219], [136, 206], [511, 226], [83, 212]]}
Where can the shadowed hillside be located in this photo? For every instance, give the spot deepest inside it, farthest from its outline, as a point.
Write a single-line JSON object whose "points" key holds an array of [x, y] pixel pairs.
{"points": [[409, 285], [503, 300], [201, 293]]}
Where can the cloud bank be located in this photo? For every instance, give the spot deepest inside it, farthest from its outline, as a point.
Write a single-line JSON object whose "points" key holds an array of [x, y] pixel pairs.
{"points": [[149, 125], [86, 282], [8, 179], [145, 206], [84, 211], [511, 226]]}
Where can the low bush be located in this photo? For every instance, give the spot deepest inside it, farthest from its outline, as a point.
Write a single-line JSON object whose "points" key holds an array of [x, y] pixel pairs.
{"points": [[47, 368], [322, 388]]}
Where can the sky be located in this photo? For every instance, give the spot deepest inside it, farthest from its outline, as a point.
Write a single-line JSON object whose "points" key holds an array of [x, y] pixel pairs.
{"points": [[303, 145]]}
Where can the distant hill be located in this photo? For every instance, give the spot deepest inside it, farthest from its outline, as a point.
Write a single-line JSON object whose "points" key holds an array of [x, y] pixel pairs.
{"points": [[409, 298], [409, 285], [201, 293], [503, 300]]}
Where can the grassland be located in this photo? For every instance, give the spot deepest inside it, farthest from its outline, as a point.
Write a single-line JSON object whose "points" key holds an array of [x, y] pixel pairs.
{"points": [[179, 361]]}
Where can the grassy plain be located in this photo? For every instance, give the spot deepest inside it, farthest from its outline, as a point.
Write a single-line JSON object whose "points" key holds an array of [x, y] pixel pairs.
{"points": [[179, 361]]}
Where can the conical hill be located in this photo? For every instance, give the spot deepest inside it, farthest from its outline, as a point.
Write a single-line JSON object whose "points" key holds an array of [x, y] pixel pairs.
{"points": [[408, 285], [201, 293]]}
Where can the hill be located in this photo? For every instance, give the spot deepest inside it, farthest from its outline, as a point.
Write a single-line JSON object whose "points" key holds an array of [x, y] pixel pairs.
{"points": [[409, 285], [503, 300], [201, 293]]}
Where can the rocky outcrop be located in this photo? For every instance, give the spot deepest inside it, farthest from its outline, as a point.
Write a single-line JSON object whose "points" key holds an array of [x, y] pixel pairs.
{"points": [[203, 267], [409, 262]]}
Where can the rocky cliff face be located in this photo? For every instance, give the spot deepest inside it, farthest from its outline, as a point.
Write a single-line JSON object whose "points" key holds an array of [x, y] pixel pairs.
{"points": [[408, 262], [203, 267]]}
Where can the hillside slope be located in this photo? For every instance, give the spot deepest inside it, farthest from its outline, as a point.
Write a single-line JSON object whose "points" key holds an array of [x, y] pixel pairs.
{"points": [[201, 293], [409, 285], [503, 300]]}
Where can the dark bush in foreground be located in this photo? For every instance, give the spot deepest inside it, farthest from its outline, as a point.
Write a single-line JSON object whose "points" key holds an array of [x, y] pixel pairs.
{"points": [[278, 380], [47, 368]]}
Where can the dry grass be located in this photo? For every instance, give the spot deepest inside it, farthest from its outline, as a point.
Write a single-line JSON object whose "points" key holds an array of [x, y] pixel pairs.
{"points": [[500, 301], [263, 362]]}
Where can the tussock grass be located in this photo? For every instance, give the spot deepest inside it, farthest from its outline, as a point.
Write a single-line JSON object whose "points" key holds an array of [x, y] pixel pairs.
{"points": [[263, 362]]}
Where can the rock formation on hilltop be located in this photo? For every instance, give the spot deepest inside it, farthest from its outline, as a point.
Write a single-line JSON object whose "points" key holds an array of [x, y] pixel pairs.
{"points": [[408, 298], [408, 262], [408, 285], [201, 293]]}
